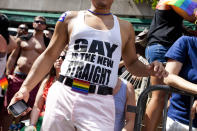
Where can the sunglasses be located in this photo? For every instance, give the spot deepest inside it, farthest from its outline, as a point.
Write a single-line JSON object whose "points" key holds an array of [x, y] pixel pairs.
{"points": [[23, 28], [62, 57], [41, 22]]}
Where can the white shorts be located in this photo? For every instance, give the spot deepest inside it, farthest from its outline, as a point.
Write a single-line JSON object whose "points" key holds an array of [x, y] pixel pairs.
{"points": [[67, 110], [173, 125]]}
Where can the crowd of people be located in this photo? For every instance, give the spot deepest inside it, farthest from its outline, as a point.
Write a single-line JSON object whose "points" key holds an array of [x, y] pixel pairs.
{"points": [[166, 27], [69, 76]]}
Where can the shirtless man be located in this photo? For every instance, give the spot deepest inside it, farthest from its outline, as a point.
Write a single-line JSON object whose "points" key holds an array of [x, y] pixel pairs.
{"points": [[82, 98], [22, 30], [29, 48]]}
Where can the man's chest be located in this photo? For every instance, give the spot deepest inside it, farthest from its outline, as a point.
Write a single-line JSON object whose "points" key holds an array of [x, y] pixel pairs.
{"points": [[33, 44]]}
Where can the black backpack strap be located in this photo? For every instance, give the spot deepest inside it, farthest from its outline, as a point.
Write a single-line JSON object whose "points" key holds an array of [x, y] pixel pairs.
{"points": [[46, 41], [26, 37]]}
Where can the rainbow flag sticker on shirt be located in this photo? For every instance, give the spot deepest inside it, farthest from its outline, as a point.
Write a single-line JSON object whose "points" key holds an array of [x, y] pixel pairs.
{"points": [[189, 6], [80, 86], [4, 83]]}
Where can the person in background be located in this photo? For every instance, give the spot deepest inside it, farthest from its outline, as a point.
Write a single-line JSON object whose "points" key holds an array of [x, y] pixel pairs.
{"points": [[124, 95], [37, 112], [30, 47], [182, 68], [22, 30], [96, 41], [121, 67], [7, 44], [165, 29], [49, 32], [20, 61]]}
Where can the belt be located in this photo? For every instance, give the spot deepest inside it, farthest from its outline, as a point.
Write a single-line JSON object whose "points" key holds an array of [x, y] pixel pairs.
{"points": [[22, 76], [102, 90]]}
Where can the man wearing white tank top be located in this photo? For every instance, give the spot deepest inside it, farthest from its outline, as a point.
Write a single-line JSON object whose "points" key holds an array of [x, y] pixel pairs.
{"points": [[82, 98]]}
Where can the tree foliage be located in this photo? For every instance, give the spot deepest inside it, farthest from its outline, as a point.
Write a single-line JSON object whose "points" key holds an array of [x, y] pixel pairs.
{"points": [[152, 2]]}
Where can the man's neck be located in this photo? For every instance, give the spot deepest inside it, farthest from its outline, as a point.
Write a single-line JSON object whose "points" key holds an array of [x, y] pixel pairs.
{"points": [[38, 33], [100, 11]]}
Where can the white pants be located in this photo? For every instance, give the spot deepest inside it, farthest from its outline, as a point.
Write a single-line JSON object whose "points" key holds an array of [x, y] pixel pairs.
{"points": [[172, 125], [67, 110]]}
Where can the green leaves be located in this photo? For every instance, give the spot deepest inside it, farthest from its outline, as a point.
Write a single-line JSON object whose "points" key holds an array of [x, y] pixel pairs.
{"points": [[152, 2]]}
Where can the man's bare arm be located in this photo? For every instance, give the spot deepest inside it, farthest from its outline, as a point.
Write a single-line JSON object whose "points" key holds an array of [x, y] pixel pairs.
{"points": [[128, 50], [38, 104], [174, 67], [130, 58], [12, 59], [130, 100]]}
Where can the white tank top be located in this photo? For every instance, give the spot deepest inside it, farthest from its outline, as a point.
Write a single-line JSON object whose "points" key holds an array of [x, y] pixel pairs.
{"points": [[93, 55]]}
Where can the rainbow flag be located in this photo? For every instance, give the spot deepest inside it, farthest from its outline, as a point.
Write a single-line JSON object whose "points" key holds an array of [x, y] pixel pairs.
{"points": [[80, 86], [189, 6], [4, 83]]}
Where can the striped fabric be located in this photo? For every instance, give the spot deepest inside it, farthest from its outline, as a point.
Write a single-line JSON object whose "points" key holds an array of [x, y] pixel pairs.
{"points": [[4, 83], [189, 6], [80, 86]]}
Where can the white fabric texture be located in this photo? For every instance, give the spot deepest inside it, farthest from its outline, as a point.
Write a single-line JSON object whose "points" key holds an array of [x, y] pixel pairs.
{"points": [[172, 125], [67, 110], [93, 55]]}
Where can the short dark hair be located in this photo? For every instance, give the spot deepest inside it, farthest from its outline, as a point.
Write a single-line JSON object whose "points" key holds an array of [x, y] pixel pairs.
{"points": [[24, 25], [51, 29], [4, 24], [41, 17]]}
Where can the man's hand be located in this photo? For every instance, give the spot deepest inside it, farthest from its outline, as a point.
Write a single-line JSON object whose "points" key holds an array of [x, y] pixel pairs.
{"points": [[21, 94], [194, 109], [157, 69]]}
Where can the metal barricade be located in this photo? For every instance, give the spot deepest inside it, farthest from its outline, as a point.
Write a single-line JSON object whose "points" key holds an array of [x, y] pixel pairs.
{"points": [[142, 100]]}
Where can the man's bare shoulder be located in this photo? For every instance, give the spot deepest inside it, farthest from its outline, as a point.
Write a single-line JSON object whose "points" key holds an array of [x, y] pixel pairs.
{"points": [[127, 31], [65, 22], [124, 25], [68, 16]]}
